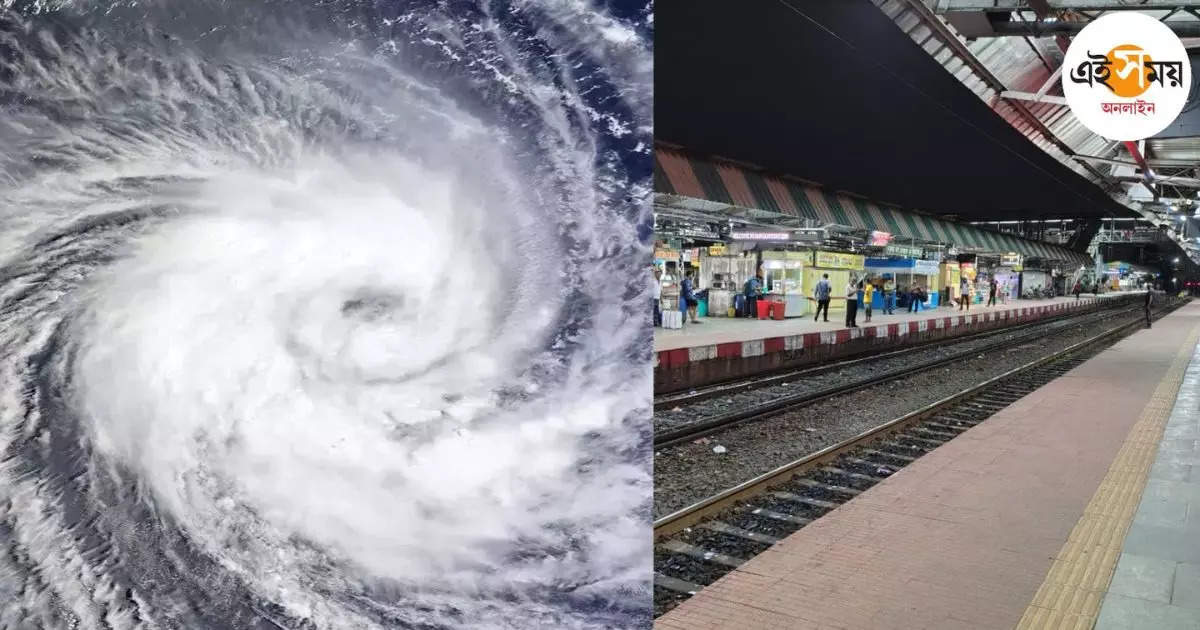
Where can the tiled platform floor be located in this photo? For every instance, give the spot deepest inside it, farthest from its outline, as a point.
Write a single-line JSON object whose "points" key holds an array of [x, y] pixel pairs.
{"points": [[1157, 581]]}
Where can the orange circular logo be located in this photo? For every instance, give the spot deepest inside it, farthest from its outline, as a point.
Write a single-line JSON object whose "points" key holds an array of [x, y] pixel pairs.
{"points": [[1130, 74]]}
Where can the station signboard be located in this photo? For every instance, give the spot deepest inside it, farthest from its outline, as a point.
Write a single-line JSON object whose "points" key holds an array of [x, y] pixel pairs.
{"points": [[760, 236], [699, 233], [1011, 259], [904, 251], [809, 235]]}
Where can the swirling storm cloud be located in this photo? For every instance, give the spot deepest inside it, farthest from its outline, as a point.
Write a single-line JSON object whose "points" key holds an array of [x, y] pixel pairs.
{"points": [[324, 314]]}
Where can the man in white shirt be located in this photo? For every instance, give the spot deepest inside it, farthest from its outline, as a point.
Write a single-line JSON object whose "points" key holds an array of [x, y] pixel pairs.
{"points": [[851, 304]]}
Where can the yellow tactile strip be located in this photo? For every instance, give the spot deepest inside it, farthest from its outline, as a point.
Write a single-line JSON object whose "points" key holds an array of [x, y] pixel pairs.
{"points": [[1070, 596]]}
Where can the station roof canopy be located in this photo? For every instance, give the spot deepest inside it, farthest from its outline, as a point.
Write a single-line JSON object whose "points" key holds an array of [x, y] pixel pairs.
{"points": [[835, 92]]}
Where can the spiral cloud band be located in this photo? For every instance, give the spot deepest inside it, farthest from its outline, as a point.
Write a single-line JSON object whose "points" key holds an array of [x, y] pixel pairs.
{"points": [[323, 315]]}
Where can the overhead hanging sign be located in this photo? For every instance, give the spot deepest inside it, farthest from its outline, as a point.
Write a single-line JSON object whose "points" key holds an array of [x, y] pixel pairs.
{"points": [[698, 233], [926, 267], [838, 260], [1011, 259], [760, 236], [905, 251], [880, 239], [716, 250], [811, 235]]}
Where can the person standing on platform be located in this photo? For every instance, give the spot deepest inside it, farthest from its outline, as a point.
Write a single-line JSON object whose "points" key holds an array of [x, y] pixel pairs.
{"points": [[992, 292], [868, 295], [751, 291], [1149, 301], [822, 293], [689, 296], [914, 299], [851, 304], [1078, 289], [964, 290], [656, 287], [858, 296], [889, 297]]}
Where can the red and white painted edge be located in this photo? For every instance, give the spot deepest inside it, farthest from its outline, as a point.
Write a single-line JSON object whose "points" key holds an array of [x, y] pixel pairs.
{"points": [[757, 347]]}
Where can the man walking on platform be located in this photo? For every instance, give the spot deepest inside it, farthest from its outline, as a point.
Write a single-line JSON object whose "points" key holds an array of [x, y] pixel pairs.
{"points": [[688, 288], [964, 291], [889, 296], [821, 293], [868, 296], [1149, 301], [991, 292], [752, 291]]}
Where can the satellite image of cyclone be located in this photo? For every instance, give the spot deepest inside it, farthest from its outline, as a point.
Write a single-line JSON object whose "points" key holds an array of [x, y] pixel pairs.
{"points": [[324, 314]]}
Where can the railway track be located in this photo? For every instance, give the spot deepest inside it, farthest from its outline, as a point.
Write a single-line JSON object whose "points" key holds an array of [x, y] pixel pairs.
{"points": [[698, 544], [672, 429]]}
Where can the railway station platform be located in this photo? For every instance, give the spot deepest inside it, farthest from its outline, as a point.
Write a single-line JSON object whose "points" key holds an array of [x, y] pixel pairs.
{"points": [[720, 330], [1076, 507], [727, 348]]}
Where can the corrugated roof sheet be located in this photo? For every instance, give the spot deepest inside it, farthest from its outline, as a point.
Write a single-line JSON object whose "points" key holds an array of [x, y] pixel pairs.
{"points": [[733, 185], [1015, 63]]}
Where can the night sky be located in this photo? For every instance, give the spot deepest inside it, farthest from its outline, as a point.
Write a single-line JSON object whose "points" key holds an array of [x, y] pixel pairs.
{"points": [[865, 110]]}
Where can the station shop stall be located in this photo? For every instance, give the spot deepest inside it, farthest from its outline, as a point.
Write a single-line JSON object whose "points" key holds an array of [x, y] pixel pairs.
{"points": [[968, 268], [906, 273], [784, 280], [1006, 270], [1035, 279], [724, 271], [791, 276], [949, 275], [1007, 274], [670, 262], [1123, 276], [842, 268]]}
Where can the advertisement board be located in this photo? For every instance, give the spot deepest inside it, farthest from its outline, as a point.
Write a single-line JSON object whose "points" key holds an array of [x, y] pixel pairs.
{"points": [[838, 260]]}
